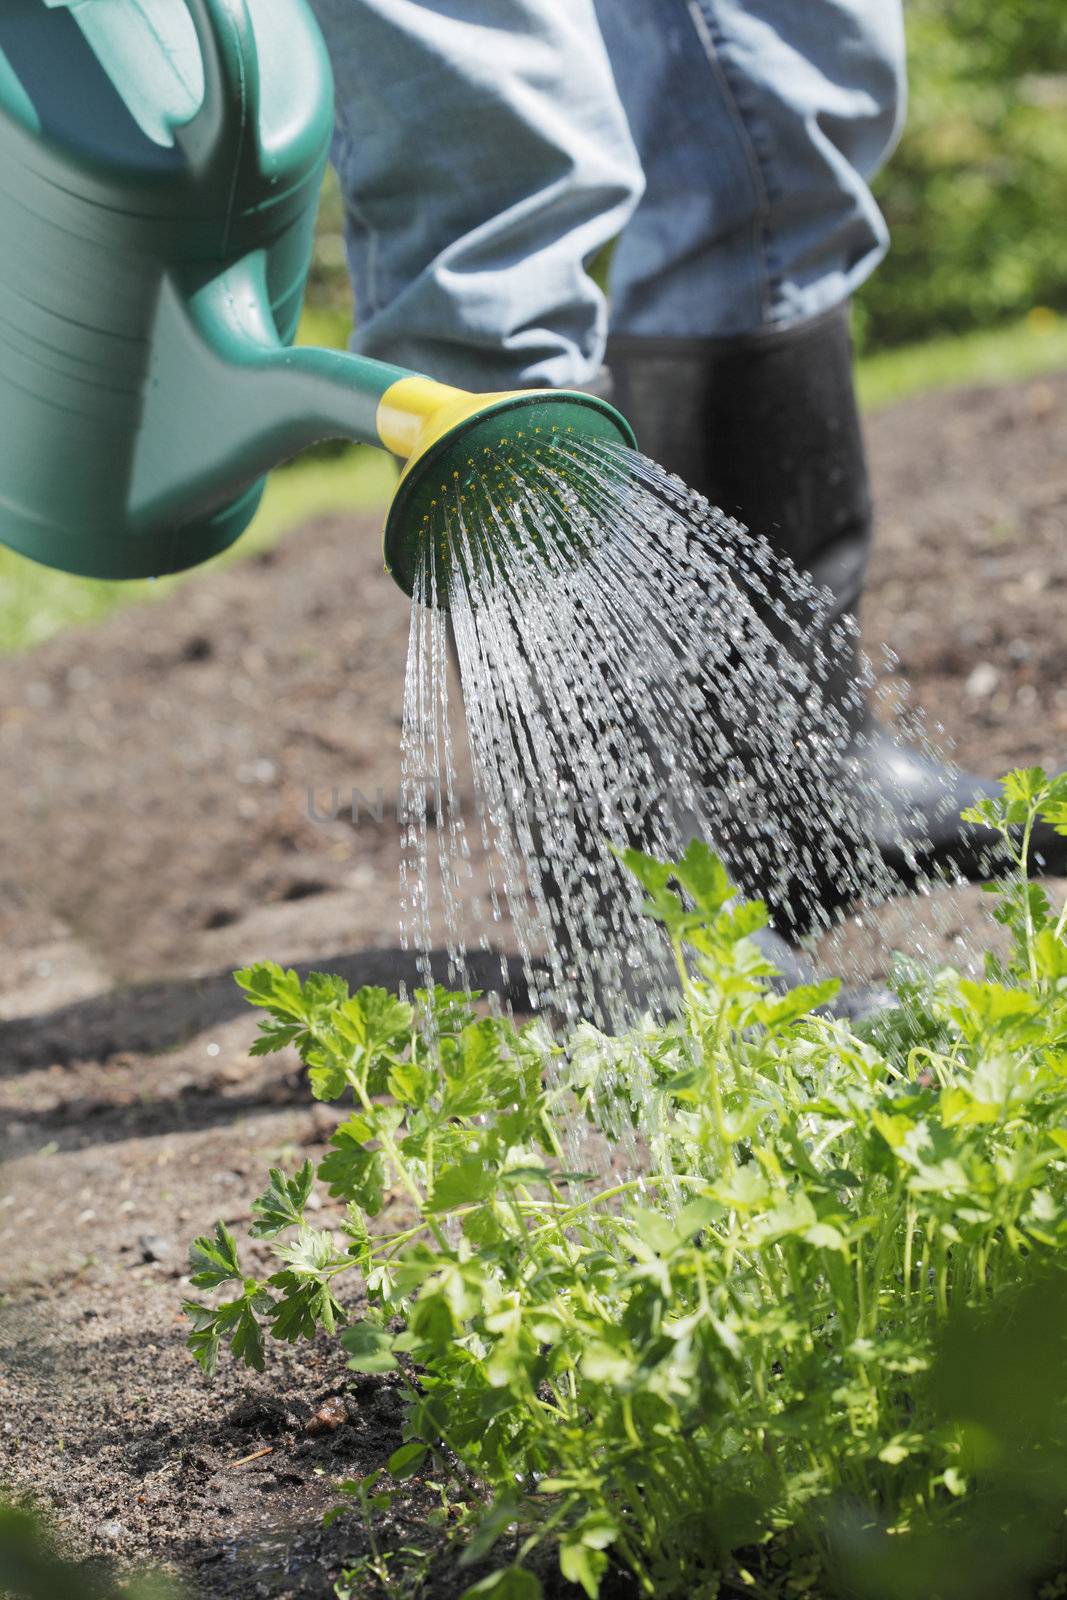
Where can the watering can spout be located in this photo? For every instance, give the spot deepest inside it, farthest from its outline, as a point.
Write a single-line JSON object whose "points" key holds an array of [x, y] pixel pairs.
{"points": [[225, 400]]}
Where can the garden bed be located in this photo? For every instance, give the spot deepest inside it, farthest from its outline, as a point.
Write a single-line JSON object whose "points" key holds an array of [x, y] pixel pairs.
{"points": [[156, 834]]}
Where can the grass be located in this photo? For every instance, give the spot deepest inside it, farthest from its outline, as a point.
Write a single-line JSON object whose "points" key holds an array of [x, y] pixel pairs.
{"points": [[37, 602], [1025, 349]]}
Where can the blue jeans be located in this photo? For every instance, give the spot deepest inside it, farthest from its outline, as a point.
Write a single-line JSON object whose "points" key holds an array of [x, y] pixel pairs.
{"points": [[488, 148]]}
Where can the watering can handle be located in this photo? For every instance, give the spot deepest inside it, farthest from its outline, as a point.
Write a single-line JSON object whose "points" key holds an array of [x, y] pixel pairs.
{"points": [[223, 133], [224, 398]]}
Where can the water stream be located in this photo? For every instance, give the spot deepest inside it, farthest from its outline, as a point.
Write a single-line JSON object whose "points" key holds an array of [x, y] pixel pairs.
{"points": [[636, 668]]}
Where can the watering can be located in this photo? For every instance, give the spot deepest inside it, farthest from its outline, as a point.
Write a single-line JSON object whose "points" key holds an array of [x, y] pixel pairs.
{"points": [[160, 168]]}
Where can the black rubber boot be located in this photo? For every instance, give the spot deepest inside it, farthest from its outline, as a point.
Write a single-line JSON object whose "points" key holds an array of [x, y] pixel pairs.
{"points": [[767, 428]]}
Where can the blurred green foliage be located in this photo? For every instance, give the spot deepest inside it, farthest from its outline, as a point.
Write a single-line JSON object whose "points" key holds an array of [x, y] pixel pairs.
{"points": [[996, 1389], [31, 1568], [976, 193], [329, 294]]}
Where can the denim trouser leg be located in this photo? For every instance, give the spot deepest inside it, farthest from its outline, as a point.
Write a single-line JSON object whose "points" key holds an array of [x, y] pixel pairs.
{"points": [[759, 124], [484, 157]]}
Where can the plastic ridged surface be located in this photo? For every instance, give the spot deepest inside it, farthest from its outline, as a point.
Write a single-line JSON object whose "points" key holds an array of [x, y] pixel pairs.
{"points": [[96, 216], [152, 264]]}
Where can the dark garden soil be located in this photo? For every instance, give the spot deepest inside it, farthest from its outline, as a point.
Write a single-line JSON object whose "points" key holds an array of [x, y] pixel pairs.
{"points": [[155, 832]]}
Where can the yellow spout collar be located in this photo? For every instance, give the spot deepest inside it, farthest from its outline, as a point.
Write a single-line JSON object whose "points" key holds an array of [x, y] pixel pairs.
{"points": [[415, 412]]}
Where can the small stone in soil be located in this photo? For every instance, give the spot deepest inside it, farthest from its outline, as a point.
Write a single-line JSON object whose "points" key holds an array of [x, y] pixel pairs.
{"points": [[982, 681], [154, 1247], [329, 1417]]}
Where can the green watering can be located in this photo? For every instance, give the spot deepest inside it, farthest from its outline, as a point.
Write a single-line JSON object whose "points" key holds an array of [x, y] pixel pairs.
{"points": [[160, 167]]}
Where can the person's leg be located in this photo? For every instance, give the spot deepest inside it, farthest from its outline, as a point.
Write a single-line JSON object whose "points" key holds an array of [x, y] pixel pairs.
{"points": [[484, 157], [760, 124]]}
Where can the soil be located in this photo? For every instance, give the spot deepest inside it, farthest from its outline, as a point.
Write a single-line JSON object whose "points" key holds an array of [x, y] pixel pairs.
{"points": [[156, 832]]}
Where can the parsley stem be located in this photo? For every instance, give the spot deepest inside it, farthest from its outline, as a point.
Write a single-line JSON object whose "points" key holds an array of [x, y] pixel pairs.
{"points": [[400, 1166]]}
